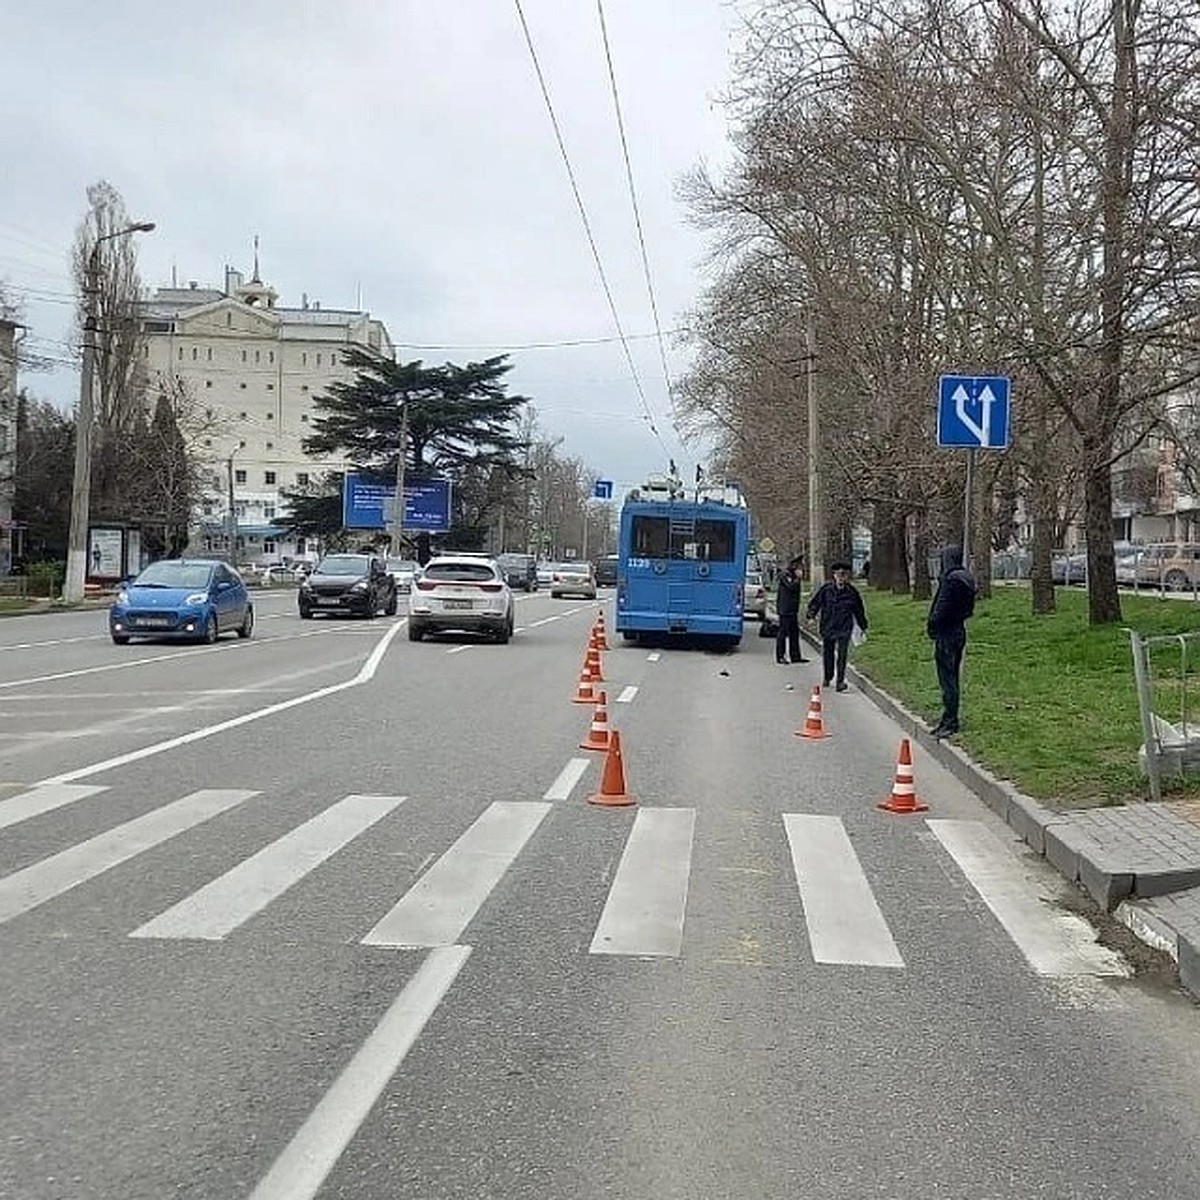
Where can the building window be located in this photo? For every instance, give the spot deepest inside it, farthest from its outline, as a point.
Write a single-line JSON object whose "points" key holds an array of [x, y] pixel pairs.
{"points": [[270, 445], [242, 416], [304, 387], [269, 543], [269, 477], [304, 418], [268, 512], [302, 479], [318, 360], [229, 320], [270, 416], [242, 386], [208, 383], [240, 477], [270, 388], [208, 441], [181, 354], [195, 353], [270, 356], [241, 445], [208, 354], [243, 356], [304, 359]]}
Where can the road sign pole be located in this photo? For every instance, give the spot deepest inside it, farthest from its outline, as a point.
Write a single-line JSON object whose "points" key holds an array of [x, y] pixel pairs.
{"points": [[970, 496]]}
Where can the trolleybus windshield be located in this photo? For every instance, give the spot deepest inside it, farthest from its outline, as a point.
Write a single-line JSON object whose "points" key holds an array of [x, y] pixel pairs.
{"points": [[703, 539]]}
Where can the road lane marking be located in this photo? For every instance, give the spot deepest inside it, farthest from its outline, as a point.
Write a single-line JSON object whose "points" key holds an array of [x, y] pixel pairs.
{"points": [[43, 799], [568, 777], [626, 697], [844, 922], [233, 898], [28, 888], [460, 649], [644, 912], [365, 675], [1053, 942], [545, 621], [299, 1172], [654, 657], [444, 901]]}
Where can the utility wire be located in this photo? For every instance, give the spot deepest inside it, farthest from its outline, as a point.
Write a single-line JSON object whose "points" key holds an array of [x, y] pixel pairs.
{"points": [[637, 216], [587, 227], [600, 341]]}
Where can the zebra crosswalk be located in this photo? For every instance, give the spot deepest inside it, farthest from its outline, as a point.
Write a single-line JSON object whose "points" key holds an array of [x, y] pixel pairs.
{"points": [[645, 909]]}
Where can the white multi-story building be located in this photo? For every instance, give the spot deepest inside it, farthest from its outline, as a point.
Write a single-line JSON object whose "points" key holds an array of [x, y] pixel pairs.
{"points": [[258, 367]]}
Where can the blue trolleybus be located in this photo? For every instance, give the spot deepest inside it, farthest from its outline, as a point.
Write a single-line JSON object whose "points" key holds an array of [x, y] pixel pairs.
{"points": [[682, 563]]}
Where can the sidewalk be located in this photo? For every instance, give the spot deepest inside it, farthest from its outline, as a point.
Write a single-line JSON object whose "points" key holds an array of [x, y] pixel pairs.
{"points": [[1141, 862]]}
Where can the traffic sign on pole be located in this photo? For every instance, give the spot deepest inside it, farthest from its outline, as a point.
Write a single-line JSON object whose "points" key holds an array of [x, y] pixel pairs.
{"points": [[973, 411], [602, 489]]}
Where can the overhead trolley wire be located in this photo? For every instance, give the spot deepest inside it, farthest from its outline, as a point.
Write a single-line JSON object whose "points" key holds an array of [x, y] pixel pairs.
{"points": [[587, 227], [637, 216]]}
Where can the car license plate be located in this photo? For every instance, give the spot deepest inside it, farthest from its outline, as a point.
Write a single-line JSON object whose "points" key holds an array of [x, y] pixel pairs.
{"points": [[334, 601], [155, 622], [457, 604]]}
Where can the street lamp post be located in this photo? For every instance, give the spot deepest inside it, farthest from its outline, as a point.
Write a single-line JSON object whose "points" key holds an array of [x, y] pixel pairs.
{"points": [[77, 538], [397, 530]]}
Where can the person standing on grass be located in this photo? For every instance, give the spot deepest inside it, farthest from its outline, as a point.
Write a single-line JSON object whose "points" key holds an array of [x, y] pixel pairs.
{"points": [[787, 609], [840, 606], [953, 604]]}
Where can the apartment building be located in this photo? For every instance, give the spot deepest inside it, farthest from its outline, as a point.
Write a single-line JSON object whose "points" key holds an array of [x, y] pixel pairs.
{"points": [[258, 365], [8, 441]]}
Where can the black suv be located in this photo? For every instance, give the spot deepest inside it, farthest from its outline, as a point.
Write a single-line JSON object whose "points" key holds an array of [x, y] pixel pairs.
{"points": [[519, 571], [357, 584], [606, 570]]}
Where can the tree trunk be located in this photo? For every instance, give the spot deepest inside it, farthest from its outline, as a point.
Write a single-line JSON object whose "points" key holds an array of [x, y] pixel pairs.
{"points": [[922, 586], [1042, 513], [900, 583], [1104, 603]]}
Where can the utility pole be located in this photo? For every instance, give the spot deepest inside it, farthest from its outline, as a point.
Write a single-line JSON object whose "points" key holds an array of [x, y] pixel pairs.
{"points": [[816, 523], [81, 482], [231, 525], [398, 502]]}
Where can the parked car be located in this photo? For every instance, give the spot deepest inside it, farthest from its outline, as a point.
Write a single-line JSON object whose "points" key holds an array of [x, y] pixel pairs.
{"points": [[520, 571], [573, 579], [545, 574], [755, 602], [403, 571], [1068, 568], [606, 570], [1174, 566], [357, 584], [196, 599], [461, 593]]}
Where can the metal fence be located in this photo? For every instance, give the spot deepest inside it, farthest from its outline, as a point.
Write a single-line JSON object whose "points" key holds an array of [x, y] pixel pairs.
{"points": [[1168, 686]]}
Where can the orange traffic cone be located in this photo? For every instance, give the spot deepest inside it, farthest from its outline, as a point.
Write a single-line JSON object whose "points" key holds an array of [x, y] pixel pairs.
{"points": [[584, 693], [904, 793], [814, 725], [598, 736], [598, 631], [612, 782], [592, 662]]}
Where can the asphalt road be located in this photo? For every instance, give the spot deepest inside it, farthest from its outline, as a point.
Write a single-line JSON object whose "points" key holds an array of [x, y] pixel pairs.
{"points": [[325, 914]]}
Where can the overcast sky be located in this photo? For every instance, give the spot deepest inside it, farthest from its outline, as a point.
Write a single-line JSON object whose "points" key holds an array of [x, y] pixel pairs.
{"points": [[395, 149]]}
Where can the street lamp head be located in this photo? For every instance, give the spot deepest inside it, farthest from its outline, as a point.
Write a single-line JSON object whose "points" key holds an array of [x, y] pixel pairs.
{"points": [[142, 227]]}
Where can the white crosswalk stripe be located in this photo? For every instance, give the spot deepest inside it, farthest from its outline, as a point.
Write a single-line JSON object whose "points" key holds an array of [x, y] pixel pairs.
{"points": [[43, 799], [844, 922], [644, 913], [443, 902], [233, 898], [1053, 942], [33, 886]]}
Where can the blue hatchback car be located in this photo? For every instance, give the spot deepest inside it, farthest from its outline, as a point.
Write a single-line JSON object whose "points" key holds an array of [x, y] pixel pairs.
{"points": [[194, 599]]}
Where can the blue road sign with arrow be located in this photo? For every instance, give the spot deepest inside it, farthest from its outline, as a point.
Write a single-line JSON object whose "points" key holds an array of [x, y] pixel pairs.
{"points": [[602, 489], [973, 411]]}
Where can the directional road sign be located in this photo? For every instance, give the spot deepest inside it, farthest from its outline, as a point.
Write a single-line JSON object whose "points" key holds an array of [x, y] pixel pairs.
{"points": [[602, 489], [973, 411]]}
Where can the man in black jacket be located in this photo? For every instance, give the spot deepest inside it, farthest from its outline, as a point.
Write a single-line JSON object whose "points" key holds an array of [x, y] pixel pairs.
{"points": [[953, 604], [841, 608], [787, 609]]}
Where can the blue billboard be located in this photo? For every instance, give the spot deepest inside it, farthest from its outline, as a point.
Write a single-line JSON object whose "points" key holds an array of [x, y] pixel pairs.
{"points": [[367, 503]]}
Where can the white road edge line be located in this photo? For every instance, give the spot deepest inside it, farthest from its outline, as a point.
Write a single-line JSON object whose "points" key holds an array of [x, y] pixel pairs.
{"points": [[365, 675], [299, 1172]]}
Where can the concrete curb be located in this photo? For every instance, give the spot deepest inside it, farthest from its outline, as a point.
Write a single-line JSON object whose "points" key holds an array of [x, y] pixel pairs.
{"points": [[1111, 880]]}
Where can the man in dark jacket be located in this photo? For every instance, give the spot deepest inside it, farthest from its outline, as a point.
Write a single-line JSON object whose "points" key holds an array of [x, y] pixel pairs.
{"points": [[787, 609], [953, 604], [841, 608]]}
